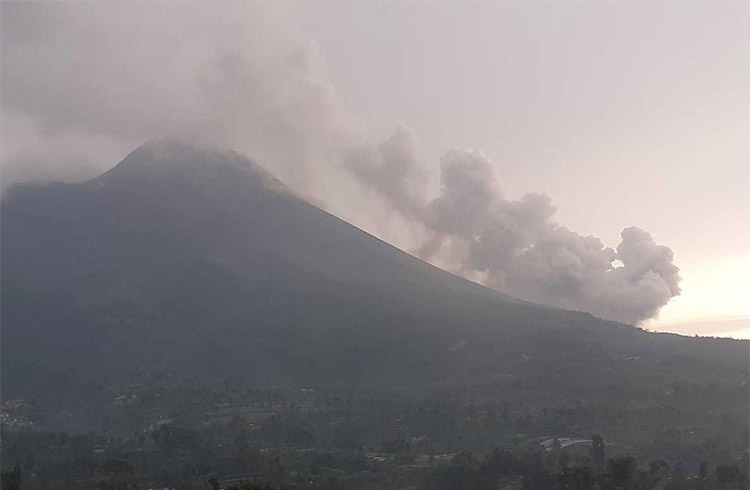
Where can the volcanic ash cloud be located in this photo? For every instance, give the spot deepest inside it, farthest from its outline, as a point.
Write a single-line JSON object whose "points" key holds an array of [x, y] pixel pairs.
{"points": [[514, 245]]}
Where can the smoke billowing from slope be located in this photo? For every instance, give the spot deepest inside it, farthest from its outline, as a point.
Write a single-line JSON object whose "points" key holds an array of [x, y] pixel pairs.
{"points": [[391, 169], [230, 74], [86, 83], [514, 243]]}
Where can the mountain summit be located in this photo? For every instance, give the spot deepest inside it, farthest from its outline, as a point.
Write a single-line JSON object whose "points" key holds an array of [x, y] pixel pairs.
{"points": [[163, 157], [200, 263]]}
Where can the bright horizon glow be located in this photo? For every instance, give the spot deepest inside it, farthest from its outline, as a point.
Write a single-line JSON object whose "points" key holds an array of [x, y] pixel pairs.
{"points": [[715, 293]]}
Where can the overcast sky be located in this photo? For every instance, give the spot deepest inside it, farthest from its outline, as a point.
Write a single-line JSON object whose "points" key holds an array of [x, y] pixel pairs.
{"points": [[623, 113]]}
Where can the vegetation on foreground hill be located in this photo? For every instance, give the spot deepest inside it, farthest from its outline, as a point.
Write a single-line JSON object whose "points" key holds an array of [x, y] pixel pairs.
{"points": [[170, 433]]}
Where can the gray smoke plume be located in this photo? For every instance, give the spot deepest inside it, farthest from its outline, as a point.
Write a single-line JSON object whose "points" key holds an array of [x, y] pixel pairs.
{"points": [[390, 168], [223, 74], [514, 244]]}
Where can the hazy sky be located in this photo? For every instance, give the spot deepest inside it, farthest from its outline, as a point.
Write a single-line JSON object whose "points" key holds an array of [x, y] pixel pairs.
{"points": [[623, 113]]}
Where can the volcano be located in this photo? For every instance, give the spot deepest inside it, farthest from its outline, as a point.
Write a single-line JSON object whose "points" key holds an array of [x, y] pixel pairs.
{"points": [[200, 263]]}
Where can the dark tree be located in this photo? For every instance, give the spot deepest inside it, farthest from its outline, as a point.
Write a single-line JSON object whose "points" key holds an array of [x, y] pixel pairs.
{"points": [[597, 450], [729, 477], [11, 480], [584, 479], [621, 472]]}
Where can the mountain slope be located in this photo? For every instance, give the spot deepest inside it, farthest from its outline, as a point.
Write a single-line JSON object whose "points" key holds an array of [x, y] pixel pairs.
{"points": [[200, 263]]}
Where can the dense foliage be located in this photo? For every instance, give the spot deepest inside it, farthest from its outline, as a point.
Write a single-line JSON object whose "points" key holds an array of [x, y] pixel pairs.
{"points": [[173, 433]]}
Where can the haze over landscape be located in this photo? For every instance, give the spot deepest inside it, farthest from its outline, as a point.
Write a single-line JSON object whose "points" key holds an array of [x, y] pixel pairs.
{"points": [[364, 246]]}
